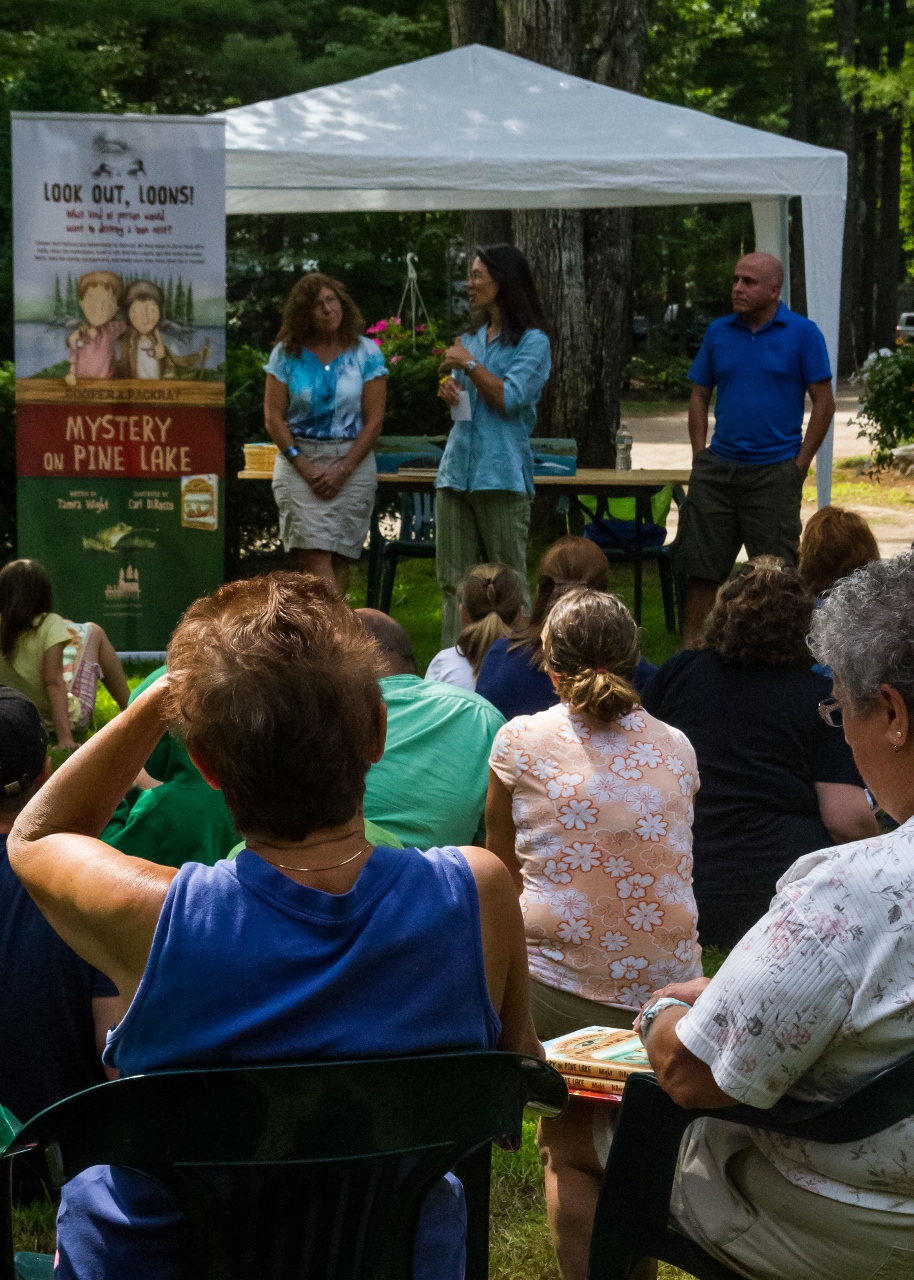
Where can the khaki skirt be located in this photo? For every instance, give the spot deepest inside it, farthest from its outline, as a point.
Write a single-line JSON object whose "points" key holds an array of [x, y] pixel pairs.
{"points": [[310, 524]]}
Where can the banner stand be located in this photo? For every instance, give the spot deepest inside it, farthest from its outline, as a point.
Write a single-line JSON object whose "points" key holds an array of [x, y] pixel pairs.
{"points": [[119, 282]]}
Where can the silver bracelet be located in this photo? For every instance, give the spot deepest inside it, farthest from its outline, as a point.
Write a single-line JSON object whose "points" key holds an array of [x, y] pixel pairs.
{"points": [[650, 1013]]}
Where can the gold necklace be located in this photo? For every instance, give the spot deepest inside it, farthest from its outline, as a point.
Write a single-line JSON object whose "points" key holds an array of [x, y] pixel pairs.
{"points": [[332, 867]]}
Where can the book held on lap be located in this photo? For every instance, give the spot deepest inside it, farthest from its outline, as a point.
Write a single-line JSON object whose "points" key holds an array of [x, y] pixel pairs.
{"points": [[595, 1055]]}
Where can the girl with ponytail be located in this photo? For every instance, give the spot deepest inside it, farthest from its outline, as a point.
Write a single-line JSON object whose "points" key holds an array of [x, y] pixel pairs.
{"points": [[491, 599], [513, 677], [590, 809]]}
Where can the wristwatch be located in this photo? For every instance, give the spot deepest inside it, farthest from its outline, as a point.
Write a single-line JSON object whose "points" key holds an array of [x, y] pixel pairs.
{"points": [[292, 452], [650, 1013], [470, 366]]}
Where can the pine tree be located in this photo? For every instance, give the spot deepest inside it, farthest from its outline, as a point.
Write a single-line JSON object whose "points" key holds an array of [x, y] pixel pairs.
{"points": [[58, 300], [189, 306], [72, 306], [179, 303], [170, 300]]}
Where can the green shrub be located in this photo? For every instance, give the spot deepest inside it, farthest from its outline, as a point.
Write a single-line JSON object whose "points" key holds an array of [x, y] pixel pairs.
{"points": [[251, 524], [660, 372], [886, 416]]}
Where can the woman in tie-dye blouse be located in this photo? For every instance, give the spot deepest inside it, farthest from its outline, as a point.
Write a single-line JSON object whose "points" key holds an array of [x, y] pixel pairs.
{"points": [[590, 807]]}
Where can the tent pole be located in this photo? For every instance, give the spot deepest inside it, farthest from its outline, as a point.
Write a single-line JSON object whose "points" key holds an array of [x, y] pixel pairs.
{"points": [[772, 234]]}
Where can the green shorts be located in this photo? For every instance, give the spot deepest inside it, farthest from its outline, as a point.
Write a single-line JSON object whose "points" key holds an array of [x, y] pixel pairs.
{"points": [[730, 505]]}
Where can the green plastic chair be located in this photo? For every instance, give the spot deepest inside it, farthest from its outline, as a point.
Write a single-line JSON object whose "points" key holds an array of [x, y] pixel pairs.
{"points": [[632, 1215], [314, 1170]]}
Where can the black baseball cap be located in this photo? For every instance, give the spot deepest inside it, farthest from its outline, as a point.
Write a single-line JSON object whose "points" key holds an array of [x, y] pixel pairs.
{"points": [[23, 743]]}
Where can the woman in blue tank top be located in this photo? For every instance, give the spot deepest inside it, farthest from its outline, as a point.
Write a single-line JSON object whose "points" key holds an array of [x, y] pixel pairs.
{"points": [[310, 944]]}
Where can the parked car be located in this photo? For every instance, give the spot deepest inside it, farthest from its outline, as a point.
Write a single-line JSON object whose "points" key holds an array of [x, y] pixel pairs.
{"points": [[904, 330]]}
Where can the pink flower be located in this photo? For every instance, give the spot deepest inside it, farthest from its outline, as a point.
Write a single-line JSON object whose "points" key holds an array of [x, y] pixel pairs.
{"points": [[378, 327], [376, 341], [420, 328], [393, 320], [395, 359]]}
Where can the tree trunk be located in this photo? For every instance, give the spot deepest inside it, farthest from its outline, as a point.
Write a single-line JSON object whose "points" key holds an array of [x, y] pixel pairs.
{"points": [[476, 22], [848, 355], [798, 127], [553, 239], [616, 56], [888, 244], [869, 188], [483, 227], [888, 247], [473, 22], [615, 50], [544, 31]]}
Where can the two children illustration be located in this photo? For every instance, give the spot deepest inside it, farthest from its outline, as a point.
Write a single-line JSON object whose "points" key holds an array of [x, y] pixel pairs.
{"points": [[121, 337]]}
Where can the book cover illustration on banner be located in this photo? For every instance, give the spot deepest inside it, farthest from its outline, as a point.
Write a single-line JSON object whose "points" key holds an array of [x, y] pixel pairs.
{"points": [[123, 278], [119, 262]]}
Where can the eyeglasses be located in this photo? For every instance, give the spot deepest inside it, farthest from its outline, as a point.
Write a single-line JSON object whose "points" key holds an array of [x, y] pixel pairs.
{"points": [[831, 712]]}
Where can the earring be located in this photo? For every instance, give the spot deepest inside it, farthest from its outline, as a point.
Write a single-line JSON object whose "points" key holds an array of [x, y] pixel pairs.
{"points": [[896, 747]]}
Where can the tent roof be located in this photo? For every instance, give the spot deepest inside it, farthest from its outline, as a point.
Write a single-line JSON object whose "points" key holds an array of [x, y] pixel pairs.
{"points": [[478, 128]]}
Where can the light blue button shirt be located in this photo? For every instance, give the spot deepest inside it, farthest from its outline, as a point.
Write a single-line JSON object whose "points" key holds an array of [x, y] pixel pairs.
{"points": [[492, 450]]}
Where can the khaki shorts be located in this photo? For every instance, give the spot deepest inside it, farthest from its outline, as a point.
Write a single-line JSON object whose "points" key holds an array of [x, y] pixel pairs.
{"points": [[306, 522], [730, 505], [740, 1209], [558, 1013]]}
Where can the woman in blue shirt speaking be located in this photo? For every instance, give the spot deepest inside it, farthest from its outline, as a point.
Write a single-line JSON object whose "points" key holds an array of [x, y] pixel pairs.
{"points": [[485, 480], [323, 408]]}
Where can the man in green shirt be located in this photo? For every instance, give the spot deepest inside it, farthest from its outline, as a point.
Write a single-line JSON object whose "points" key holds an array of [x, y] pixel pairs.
{"points": [[429, 788], [184, 819]]}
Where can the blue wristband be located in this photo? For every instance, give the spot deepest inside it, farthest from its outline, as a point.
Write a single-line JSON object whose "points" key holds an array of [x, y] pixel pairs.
{"points": [[293, 451]]}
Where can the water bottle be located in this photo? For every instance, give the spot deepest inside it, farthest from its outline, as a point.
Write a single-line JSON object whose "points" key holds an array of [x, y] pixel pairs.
{"points": [[623, 448]]}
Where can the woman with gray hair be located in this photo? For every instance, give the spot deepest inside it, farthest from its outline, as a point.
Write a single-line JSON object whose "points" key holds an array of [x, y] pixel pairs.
{"points": [[817, 998]]}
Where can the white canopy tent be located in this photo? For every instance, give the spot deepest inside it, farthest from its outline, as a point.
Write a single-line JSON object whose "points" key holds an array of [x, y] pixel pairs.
{"points": [[480, 129]]}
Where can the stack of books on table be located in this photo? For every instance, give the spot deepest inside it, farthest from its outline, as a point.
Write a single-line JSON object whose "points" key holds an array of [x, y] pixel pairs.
{"points": [[596, 1061]]}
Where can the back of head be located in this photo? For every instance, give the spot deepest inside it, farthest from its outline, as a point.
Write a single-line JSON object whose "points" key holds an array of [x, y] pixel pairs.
{"points": [[835, 543], [25, 594], [518, 299], [570, 562], [23, 747], [865, 631], [396, 648], [493, 596], [591, 642], [273, 686], [761, 615]]}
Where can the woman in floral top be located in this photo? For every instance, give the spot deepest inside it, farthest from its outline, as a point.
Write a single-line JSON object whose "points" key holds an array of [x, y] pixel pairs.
{"points": [[815, 1000], [590, 808]]}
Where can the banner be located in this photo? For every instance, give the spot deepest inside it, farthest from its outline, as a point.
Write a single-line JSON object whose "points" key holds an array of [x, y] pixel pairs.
{"points": [[119, 283]]}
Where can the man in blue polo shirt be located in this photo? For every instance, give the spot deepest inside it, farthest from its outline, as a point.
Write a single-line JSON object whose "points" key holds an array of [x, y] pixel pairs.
{"points": [[747, 485]]}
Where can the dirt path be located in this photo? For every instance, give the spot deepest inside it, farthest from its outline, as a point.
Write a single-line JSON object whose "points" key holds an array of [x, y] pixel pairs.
{"points": [[886, 502]]}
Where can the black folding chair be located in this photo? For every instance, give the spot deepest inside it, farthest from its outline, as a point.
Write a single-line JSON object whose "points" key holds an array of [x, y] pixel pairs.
{"points": [[632, 1218], [317, 1169], [416, 541]]}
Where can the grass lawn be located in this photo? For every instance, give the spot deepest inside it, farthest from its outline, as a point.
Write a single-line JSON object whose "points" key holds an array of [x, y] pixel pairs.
{"points": [[417, 605]]}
